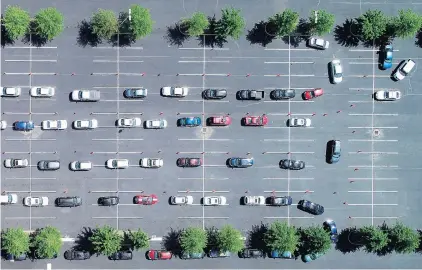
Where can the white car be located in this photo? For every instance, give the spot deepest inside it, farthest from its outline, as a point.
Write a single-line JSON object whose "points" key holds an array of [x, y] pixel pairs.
{"points": [[318, 43], [85, 124], [214, 200], [35, 201], [181, 200], [404, 69], [8, 198], [254, 200], [54, 124], [156, 124], [11, 92], [86, 95], [169, 91], [299, 122], [336, 71], [81, 165], [15, 163], [42, 91], [117, 163], [151, 162], [129, 122], [387, 95], [3, 124]]}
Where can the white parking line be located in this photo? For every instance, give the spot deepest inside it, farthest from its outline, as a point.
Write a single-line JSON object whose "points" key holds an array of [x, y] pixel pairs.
{"points": [[117, 217], [292, 114], [206, 48], [282, 49], [374, 217], [286, 101], [29, 139], [117, 48], [115, 61], [285, 140], [370, 178], [122, 100], [29, 60], [285, 178], [289, 217], [115, 153], [203, 191], [209, 61], [375, 204], [203, 217], [375, 127], [358, 140], [286, 153], [369, 166], [204, 139], [26, 73], [292, 191], [289, 75], [294, 62], [374, 191], [32, 113], [31, 191], [114, 178], [29, 217], [200, 178], [115, 191], [374, 114], [31, 47], [115, 113], [33, 178], [29, 153], [375, 153], [369, 63], [368, 76], [201, 100], [114, 139]]}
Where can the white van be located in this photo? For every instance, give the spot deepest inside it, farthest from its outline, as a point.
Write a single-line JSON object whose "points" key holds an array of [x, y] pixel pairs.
{"points": [[404, 69], [8, 198]]}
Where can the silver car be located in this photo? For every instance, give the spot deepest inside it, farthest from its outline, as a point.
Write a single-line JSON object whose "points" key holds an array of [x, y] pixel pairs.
{"points": [[48, 165], [129, 122], [42, 91], [151, 162], [81, 165], [300, 122], [85, 124], [214, 200], [318, 43], [254, 200], [11, 92], [336, 71], [156, 124]]}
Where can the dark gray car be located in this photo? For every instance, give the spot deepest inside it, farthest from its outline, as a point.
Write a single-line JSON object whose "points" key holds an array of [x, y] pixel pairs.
{"points": [[334, 148], [282, 94], [290, 164], [49, 165], [69, 201], [214, 94]]}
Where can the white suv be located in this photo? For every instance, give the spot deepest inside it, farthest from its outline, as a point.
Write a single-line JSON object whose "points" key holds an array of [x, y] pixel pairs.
{"points": [[404, 69]]}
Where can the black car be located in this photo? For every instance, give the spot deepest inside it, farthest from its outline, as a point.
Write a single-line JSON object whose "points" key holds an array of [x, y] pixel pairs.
{"points": [[121, 255], [214, 94], [251, 253], [278, 94], [215, 253], [310, 207], [281, 201], [290, 164], [330, 226], [76, 255], [10, 257], [68, 201], [108, 201]]}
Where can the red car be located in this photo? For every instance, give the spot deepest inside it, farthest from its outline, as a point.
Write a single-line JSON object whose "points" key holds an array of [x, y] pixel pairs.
{"points": [[159, 255], [145, 199], [224, 120], [255, 120], [310, 94], [189, 162]]}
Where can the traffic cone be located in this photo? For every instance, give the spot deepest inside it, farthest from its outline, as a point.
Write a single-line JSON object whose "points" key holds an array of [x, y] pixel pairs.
{"points": [[324, 114], [338, 111], [356, 169]]}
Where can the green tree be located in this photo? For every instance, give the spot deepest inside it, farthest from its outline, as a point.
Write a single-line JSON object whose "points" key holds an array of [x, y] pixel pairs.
{"points": [[373, 24], [375, 239], [15, 241], [193, 239], [16, 21], [231, 23], [139, 239], [196, 24], [281, 237], [106, 240], [141, 23], [285, 23], [403, 239], [406, 24], [104, 23], [47, 242], [48, 23], [321, 22], [229, 239], [315, 240]]}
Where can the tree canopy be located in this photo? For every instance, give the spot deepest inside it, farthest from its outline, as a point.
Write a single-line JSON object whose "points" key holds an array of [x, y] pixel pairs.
{"points": [[231, 23], [104, 23], [141, 23], [106, 240], [373, 24], [15, 241], [193, 240], [285, 23], [406, 24], [229, 239], [139, 239], [375, 239], [47, 242], [281, 237], [48, 23], [315, 240], [321, 22], [403, 238], [196, 24], [16, 22]]}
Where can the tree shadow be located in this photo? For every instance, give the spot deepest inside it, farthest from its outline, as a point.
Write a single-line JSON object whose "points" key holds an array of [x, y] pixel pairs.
{"points": [[259, 35], [82, 242], [419, 249], [378, 42], [125, 36], [175, 34], [418, 41], [5, 40], [212, 239], [256, 238], [86, 36], [302, 34], [33, 38], [349, 241], [210, 38], [171, 241], [346, 34]]}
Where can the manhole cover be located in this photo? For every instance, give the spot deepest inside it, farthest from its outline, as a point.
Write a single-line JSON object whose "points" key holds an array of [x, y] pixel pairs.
{"points": [[204, 130], [376, 132]]}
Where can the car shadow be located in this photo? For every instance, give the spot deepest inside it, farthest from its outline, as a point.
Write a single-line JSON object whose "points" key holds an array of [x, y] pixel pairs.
{"points": [[169, 201], [327, 152], [171, 241], [242, 200], [395, 70], [329, 73], [228, 164], [238, 96], [70, 97]]}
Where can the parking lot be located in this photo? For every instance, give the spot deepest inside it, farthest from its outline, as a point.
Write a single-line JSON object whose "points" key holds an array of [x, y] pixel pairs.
{"points": [[374, 182]]}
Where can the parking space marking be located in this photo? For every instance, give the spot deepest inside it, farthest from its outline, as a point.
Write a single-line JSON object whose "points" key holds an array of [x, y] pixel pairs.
{"points": [[200, 178], [287, 153], [205, 49], [375, 178], [369, 63], [203, 217], [202, 74], [205, 139], [117, 217], [293, 62], [289, 49], [372, 191], [114, 178], [30, 113], [33, 178], [368, 76], [24, 139], [114, 61], [287, 101], [115, 113], [373, 217], [363, 140], [31, 191], [118, 49], [374, 114], [212, 152], [30, 60], [30, 73], [289, 217], [292, 114], [121, 100], [285, 140], [374, 153], [115, 191], [369, 166], [291, 191], [29, 153], [375, 204], [114, 139], [375, 127], [201, 100], [203, 191], [31, 47], [289, 75], [208, 61], [31, 217], [291, 178]]}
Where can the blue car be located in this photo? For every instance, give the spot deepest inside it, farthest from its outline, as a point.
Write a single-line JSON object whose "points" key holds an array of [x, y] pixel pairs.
{"points": [[192, 256], [23, 125], [135, 93], [331, 228], [236, 162], [387, 57], [275, 254], [190, 122]]}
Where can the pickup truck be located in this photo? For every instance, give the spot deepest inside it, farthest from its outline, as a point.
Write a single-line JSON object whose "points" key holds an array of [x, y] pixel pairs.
{"points": [[250, 95], [85, 95]]}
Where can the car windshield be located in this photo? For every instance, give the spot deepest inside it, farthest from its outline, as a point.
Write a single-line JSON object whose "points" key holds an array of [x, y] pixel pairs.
{"points": [[389, 56], [114, 163], [78, 165]]}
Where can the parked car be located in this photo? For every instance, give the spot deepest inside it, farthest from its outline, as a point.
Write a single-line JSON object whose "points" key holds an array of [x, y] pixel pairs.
{"points": [[169, 91], [387, 57], [281, 200], [192, 256], [290, 164], [237, 162], [54, 124], [76, 255], [387, 95], [8, 198], [313, 93], [214, 200], [334, 151], [214, 94], [23, 125], [278, 94], [310, 207], [81, 165], [189, 162], [223, 120], [135, 93], [42, 91], [11, 92], [318, 43], [156, 124], [300, 122], [12, 258], [121, 255], [117, 163], [129, 122], [215, 253], [404, 69], [181, 200], [189, 122], [3, 124], [69, 201], [48, 165], [257, 121], [254, 200], [154, 254], [145, 199], [151, 162], [275, 254], [86, 95], [336, 71], [85, 124], [331, 228], [15, 163], [251, 253], [35, 201], [108, 201]]}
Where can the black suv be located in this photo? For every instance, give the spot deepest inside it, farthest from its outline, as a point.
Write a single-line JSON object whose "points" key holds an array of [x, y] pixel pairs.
{"points": [[121, 255], [68, 201], [310, 207], [334, 151]]}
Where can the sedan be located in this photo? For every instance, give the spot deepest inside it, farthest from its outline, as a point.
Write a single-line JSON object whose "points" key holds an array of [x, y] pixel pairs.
{"points": [[153, 255], [11, 92], [237, 162], [156, 124], [48, 165], [318, 43], [15, 163], [290, 164], [76, 255], [214, 94], [129, 122], [254, 200], [331, 228], [151, 162], [3, 124], [121, 255], [300, 122], [145, 199], [85, 124], [214, 200], [169, 91], [189, 162], [42, 91], [23, 125], [215, 253], [278, 94], [35, 201], [54, 124], [387, 95], [310, 207], [80, 165], [223, 120], [135, 93], [387, 57], [189, 122], [117, 163], [192, 256], [255, 121], [108, 201], [310, 94], [281, 201], [336, 71], [251, 253], [181, 200], [68, 201]]}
